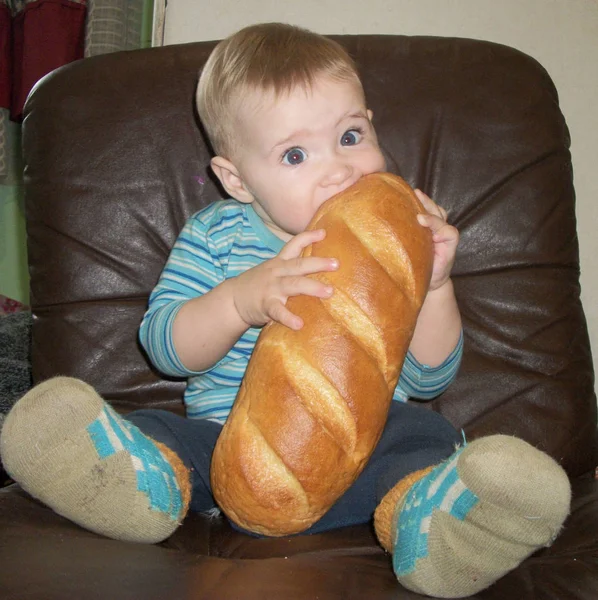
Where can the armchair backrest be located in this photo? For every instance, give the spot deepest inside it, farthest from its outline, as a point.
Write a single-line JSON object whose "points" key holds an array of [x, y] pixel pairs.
{"points": [[115, 163]]}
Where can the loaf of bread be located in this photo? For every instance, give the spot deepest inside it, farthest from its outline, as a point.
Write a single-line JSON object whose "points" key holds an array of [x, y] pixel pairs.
{"points": [[313, 403]]}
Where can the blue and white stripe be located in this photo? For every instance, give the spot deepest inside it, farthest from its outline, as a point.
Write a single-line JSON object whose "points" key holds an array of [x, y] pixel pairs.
{"points": [[425, 383], [440, 490], [219, 242]]}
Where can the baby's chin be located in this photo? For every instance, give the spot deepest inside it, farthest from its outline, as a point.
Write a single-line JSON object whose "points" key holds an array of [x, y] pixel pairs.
{"points": [[279, 232]]}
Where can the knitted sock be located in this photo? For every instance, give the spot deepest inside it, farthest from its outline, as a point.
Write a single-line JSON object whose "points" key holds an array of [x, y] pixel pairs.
{"points": [[456, 528], [64, 445]]}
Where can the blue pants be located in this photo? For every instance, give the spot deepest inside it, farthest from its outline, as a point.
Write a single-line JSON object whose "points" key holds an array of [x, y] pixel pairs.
{"points": [[414, 438]]}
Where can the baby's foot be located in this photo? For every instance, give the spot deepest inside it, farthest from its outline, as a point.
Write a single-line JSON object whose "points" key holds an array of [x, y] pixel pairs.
{"points": [[456, 528], [64, 445]]}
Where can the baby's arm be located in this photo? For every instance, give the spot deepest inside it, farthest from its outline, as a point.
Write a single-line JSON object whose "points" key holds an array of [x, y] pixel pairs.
{"points": [[206, 327], [438, 326]]}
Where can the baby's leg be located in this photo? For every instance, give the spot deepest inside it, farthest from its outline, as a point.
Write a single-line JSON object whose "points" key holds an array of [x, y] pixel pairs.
{"points": [[193, 440], [413, 438], [456, 528], [64, 445]]}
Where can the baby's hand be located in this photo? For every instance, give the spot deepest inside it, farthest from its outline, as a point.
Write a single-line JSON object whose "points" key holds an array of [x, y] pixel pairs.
{"points": [[445, 237], [261, 293]]}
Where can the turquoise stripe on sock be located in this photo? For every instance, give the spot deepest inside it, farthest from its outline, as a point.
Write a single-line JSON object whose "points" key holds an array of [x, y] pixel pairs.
{"points": [[441, 489], [464, 504], [155, 475], [100, 439]]}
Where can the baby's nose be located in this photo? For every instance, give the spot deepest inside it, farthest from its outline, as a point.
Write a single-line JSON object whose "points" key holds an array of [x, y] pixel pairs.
{"points": [[339, 173]]}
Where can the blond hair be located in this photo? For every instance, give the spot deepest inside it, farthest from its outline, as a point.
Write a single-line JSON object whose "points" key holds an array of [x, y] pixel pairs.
{"points": [[269, 57]]}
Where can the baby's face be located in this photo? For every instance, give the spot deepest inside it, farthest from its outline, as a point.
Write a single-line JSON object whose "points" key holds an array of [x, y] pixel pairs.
{"points": [[297, 151]]}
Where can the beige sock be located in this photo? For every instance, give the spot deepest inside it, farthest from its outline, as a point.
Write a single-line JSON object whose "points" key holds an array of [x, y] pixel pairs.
{"points": [[64, 445], [458, 528]]}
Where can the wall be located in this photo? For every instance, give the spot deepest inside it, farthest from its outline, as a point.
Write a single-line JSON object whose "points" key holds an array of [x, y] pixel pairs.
{"points": [[560, 34]]}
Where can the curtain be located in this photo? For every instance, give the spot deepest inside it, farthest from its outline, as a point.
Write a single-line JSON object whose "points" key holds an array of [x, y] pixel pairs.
{"points": [[5, 77], [114, 25], [36, 37], [5, 83]]}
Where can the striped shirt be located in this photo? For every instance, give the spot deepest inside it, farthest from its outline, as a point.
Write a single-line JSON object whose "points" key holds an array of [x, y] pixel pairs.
{"points": [[219, 242]]}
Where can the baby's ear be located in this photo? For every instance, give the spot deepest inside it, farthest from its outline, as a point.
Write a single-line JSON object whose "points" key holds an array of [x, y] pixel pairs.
{"points": [[231, 179], [370, 114]]}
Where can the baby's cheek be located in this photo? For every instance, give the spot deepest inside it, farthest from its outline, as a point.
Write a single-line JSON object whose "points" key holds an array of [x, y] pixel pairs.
{"points": [[298, 220]]}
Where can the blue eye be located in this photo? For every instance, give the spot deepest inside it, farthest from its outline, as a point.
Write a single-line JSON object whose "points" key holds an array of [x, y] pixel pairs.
{"points": [[351, 137], [294, 156]]}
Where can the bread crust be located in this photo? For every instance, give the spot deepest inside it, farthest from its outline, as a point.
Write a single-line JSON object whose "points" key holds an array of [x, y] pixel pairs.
{"points": [[313, 403]]}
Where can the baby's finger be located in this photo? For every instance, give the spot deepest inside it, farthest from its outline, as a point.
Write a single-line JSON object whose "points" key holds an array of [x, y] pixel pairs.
{"points": [[430, 205], [427, 202], [281, 314], [306, 266], [447, 234], [295, 246], [432, 222], [306, 286]]}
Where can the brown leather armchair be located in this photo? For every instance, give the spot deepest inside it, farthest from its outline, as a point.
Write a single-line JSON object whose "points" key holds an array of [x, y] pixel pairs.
{"points": [[114, 165]]}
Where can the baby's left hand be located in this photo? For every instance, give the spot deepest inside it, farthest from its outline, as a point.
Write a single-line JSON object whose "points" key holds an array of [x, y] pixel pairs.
{"points": [[445, 237]]}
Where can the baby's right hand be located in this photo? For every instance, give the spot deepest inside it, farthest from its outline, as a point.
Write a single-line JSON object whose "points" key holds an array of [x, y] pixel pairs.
{"points": [[261, 293]]}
